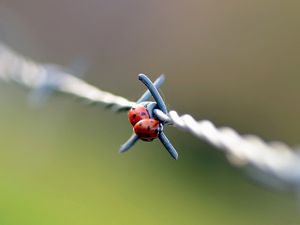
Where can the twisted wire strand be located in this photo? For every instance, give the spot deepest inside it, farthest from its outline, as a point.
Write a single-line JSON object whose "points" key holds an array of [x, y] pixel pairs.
{"points": [[14, 67], [274, 159], [272, 162]]}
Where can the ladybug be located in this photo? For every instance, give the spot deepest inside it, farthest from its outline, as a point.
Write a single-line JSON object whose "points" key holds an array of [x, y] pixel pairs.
{"points": [[146, 126], [137, 113], [147, 129]]}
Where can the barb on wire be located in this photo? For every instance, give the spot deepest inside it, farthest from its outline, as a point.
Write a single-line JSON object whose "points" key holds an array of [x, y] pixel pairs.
{"points": [[273, 163], [146, 127], [52, 78], [45, 77]]}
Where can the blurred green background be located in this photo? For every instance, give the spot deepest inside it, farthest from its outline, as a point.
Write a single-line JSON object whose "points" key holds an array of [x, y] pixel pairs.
{"points": [[233, 62]]}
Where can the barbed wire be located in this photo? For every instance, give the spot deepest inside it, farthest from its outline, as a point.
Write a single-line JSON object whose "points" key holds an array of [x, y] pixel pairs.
{"points": [[16, 68], [273, 163], [274, 159]]}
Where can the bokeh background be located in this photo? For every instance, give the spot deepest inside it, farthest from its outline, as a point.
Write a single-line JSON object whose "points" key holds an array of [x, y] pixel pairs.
{"points": [[233, 62]]}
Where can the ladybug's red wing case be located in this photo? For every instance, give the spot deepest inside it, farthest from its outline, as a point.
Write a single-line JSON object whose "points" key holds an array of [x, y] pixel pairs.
{"points": [[147, 129], [137, 113]]}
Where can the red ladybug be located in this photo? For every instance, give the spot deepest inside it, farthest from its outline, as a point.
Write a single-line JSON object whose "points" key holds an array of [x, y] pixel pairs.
{"points": [[147, 129], [137, 113]]}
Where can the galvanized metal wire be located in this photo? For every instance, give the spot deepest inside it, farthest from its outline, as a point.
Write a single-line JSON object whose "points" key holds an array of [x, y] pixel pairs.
{"points": [[274, 163], [277, 160], [16, 68]]}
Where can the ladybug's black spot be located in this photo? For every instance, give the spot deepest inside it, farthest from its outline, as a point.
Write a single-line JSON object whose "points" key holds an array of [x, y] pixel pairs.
{"points": [[143, 114], [148, 128], [140, 124], [152, 121], [134, 115]]}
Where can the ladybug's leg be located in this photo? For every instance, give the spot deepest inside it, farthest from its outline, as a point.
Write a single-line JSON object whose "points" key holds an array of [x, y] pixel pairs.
{"points": [[158, 82], [154, 92], [128, 144], [165, 141]]}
